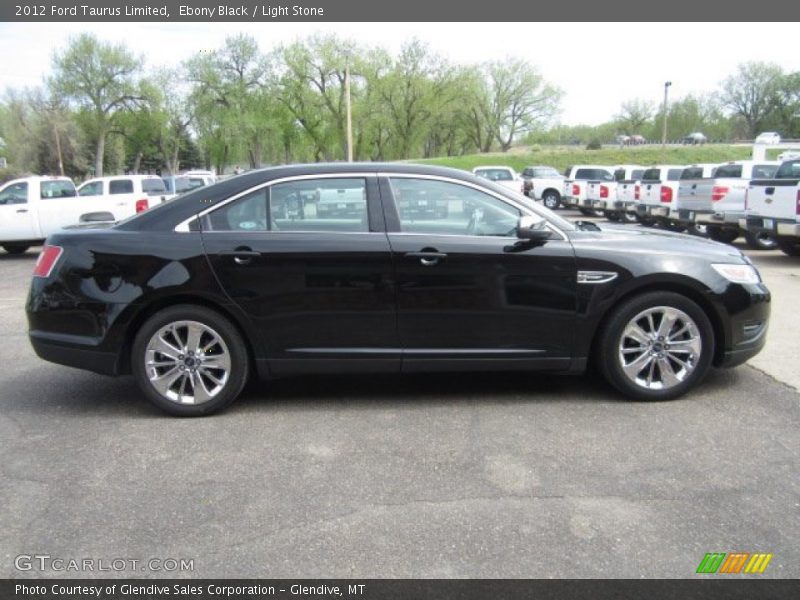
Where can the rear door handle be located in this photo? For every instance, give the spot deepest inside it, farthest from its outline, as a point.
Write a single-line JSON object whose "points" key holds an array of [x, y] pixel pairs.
{"points": [[426, 259], [241, 256], [22, 210]]}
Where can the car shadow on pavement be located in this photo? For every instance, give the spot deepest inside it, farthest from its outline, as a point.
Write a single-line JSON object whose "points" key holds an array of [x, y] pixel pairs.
{"points": [[79, 394]]}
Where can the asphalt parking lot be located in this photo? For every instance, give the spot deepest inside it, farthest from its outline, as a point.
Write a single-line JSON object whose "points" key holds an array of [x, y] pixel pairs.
{"points": [[382, 476]]}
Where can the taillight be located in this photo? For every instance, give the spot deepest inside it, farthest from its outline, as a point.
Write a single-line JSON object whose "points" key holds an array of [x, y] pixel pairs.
{"points": [[141, 205], [47, 260], [604, 191], [718, 193], [666, 194], [576, 189], [797, 204], [637, 192]]}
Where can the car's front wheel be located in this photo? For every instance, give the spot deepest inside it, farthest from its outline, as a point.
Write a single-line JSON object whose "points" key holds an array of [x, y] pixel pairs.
{"points": [[656, 346], [189, 360]]}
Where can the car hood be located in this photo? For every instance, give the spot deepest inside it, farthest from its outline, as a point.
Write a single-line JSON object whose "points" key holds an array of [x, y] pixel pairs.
{"points": [[633, 240]]}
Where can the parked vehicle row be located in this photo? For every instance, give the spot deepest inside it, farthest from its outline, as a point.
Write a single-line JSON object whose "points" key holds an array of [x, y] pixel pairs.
{"points": [[32, 208]]}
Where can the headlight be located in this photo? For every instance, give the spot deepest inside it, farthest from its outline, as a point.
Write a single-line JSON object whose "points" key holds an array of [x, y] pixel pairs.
{"points": [[738, 273]]}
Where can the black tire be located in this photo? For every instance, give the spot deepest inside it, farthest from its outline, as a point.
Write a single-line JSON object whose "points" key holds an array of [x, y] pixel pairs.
{"points": [[612, 216], [789, 246], [609, 359], [236, 349], [551, 199], [724, 235], [13, 249], [626, 217], [760, 241], [587, 212], [645, 222]]}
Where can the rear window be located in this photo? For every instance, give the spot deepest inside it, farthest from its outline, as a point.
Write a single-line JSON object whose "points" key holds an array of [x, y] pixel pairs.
{"points": [[651, 175], [619, 174], [692, 173], [675, 174], [549, 172], [591, 174], [120, 186], [153, 186], [732, 171], [58, 189], [637, 173], [764, 171], [788, 170]]}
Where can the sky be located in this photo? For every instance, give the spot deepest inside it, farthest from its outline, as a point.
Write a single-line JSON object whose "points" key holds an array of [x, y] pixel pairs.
{"points": [[597, 65]]}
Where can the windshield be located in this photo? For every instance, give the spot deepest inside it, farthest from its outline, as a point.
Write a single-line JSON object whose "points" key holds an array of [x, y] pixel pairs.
{"points": [[58, 189], [495, 174]]}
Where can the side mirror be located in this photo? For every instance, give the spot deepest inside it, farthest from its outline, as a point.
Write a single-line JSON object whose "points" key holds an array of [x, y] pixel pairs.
{"points": [[532, 227]]}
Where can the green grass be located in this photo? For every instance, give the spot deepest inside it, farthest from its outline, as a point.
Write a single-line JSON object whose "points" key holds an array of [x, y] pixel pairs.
{"points": [[561, 157]]}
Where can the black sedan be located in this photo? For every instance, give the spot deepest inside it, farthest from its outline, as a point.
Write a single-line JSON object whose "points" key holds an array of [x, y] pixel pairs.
{"points": [[195, 296]]}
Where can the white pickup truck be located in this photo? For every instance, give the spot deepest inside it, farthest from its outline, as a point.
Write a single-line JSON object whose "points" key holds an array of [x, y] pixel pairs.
{"points": [[543, 183], [716, 201], [773, 207], [658, 187], [126, 195], [604, 195], [32, 208], [575, 184], [505, 176]]}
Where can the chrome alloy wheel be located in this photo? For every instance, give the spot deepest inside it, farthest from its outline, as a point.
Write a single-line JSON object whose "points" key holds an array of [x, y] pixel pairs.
{"points": [[187, 362], [659, 348]]}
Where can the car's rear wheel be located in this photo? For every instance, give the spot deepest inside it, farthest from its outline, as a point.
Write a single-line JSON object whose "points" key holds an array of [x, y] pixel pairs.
{"points": [[656, 346], [760, 241], [551, 199], [189, 360], [718, 234]]}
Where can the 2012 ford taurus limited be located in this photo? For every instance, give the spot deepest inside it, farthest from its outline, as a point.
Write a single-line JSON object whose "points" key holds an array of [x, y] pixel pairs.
{"points": [[384, 268]]}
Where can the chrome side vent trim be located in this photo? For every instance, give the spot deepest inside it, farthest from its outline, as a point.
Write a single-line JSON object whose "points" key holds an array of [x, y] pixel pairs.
{"points": [[596, 276]]}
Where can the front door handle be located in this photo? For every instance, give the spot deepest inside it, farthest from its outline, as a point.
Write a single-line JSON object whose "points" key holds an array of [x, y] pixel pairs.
{"points": [[242, 255], [22, 210], [426, 259]]}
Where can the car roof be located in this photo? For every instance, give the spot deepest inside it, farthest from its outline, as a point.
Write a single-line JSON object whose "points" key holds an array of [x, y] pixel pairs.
{"points": [[504, 167]]}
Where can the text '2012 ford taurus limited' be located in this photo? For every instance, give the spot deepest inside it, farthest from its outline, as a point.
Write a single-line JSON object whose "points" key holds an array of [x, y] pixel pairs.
{"points": [[384, 268]]}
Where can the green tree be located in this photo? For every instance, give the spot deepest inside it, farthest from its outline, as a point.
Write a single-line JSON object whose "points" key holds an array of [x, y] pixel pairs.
{"points": [[750, 91], [102, 78], [634, 115]]}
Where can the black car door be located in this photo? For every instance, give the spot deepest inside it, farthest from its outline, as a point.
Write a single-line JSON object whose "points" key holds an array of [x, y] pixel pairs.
{"points": [[469, 292], [309, 261]]}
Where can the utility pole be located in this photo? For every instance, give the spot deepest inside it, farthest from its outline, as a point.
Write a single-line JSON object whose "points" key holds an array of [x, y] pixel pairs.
{"points": [[664, 132], [349, 114]]}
